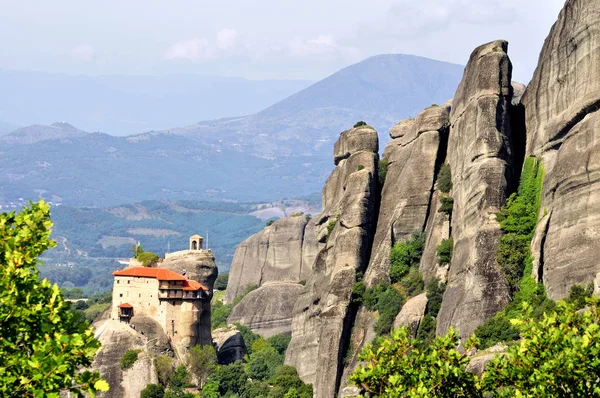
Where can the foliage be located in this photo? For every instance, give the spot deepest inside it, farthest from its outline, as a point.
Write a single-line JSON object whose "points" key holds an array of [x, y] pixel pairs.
{"points": [[153, 391], [148, 259], [387, 301], [280, 342], [360, 124], [518, 220], [358, 292], [412, 284], [447, 205], [128, 359], [72, 293], [164, 368], [400, 367], [444, 178], [221, 282], [331, 226], [578, 295], [426, 331], [248, 335], [269, 223], [262, 364], [360, 167], [382, 169], [435, 295], [406, 255], [202, 360], [231, 378], [179, 379], [444, 251], [43, 344], [219, 314], [556, 357]]}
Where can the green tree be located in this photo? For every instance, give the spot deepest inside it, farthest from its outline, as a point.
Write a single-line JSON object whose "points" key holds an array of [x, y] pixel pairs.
{"points": [[557, 356], [179, 378], [202, 360], [153, 391], [148, 259], [444, 178], [406, 255], [262, 364], [400, 367], [280, 342], [221, 282], [128, 359], [382, 169], [359, 124], [164, 368], [44, 345], [444, 251], [231, 378]]}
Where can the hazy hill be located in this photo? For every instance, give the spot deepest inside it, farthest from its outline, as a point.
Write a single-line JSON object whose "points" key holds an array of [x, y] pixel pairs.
{"points": [[280, 152], [7, 127], [122, 105]]}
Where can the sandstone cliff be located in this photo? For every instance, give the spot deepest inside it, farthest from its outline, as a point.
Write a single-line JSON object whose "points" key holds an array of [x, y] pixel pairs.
{"points": [[200, 267], [563, 125], [322, 317], [480, 157]]}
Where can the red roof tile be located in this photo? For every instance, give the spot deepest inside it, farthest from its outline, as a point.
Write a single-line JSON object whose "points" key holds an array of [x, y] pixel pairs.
{"points": [[161, 274], [146, 272], [125, 305]]}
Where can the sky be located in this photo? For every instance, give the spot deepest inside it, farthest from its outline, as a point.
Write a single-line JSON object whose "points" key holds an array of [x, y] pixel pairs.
{"points": [[261, 39]]}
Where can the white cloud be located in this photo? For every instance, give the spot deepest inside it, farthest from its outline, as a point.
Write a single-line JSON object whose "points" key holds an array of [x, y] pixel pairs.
{"points": [[84, 52], [226, 39], [198, 49], [323, 45]]}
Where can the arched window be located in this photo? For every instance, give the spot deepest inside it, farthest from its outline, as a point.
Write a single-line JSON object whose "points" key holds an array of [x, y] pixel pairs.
{"points": [[194, 245]]}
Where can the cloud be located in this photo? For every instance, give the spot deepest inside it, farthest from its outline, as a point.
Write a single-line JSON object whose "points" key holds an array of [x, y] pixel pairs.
{"points": [[198, 49], [84, 53], [226, 39], [323, 45], [409, 18], [203, 49]]}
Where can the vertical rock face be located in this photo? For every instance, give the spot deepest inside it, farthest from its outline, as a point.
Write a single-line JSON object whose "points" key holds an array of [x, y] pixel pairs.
{"points": [[563, 128], [480, 156], [322, 318], [200, 267], [412, 158], [278, 253], [276, 259]]}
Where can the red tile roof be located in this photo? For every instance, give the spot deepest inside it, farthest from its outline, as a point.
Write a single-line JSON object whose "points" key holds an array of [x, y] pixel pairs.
{"points": [[193, 285], [125, 305], [161, 274], [146, 272]]}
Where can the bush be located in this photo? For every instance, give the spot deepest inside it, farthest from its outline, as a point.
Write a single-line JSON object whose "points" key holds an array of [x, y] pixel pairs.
{"points": [[230, 379], [148, 259], [129, 359], [221, 282], [359, 124], [513, 249], [426, 331], [446, 206], [330, 227], [389, 304], [360, 167], [202, 360], [248, 335], [219, 314], [153, 391], [280, 342], [269, 223], [262, 364], [358, 292], [164, 368], [179, 379], [435, 295], [444, 178], [405, 255], [497, 329], [399, 367], [553, 358], [578, 295], [382, 169], [444, 251], [412, 284]]}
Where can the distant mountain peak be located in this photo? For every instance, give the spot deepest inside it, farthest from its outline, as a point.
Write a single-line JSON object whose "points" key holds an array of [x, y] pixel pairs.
{"points": [[37, 132]]}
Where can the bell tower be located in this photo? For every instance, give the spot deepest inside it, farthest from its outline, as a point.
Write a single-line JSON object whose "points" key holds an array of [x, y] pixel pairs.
{"points": [[196, 242]]}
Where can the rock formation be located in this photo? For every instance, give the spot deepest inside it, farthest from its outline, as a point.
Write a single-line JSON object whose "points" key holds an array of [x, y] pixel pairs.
{"points": [[480, 157], [199, 266], [563, 122], [417, 150], [322, 317], [268, 310], [116, 338], [282, 252], [412, 314], [229, 345]]}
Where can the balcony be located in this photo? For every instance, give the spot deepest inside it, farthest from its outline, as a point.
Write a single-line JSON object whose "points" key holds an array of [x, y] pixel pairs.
{"points": [[178, 294]]}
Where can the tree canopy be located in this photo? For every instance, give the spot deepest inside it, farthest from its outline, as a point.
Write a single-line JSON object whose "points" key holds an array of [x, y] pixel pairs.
{"points": [[43, 343]]}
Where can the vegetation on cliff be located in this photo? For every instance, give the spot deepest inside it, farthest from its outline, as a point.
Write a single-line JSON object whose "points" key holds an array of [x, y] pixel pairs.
{"points": [[44, 346], [555, 357], [518, 219]]}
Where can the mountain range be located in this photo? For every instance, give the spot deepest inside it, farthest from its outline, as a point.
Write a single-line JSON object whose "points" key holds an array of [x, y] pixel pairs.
{"points": [[280, 152]]}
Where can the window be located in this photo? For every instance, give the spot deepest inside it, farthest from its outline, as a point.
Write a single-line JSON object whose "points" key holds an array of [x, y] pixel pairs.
{"points": [[118, 281], [128, 282], [121, 295], [140, 294]]}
